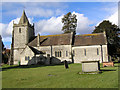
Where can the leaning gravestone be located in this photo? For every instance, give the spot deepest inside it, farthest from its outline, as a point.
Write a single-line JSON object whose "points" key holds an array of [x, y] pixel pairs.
{"points": [[66, 64], [90, 66]]}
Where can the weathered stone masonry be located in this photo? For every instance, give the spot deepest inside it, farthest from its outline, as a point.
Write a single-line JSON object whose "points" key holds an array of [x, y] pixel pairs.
{"points": [[30, 49]]}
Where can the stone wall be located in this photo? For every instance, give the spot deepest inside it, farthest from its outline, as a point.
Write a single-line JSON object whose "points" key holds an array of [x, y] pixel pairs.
{"points": [[57, 48], [90, 53], [25, 53], [30, 32], [17, 56], [20, 39]]}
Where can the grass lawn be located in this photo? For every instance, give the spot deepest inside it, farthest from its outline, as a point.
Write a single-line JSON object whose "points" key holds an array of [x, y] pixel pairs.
{"points": [[57, 77]]}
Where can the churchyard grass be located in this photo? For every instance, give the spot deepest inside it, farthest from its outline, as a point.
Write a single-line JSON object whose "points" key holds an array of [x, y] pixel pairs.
{"points": [[57, 77]]}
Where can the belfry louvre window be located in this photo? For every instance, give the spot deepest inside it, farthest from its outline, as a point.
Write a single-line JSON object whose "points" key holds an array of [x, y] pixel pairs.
{"points": [[19, 30], [85, 52]]}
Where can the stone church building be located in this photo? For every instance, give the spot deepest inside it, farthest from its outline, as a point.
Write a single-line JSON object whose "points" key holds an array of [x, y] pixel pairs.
{"points": [[27, 49]]}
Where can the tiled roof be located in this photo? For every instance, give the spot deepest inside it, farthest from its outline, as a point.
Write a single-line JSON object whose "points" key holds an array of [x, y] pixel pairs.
{"points": [[60, 39], [90, 39], [64, 39], [35, 50]]}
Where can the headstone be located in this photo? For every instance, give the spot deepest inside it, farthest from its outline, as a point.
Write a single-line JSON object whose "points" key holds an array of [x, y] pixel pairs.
{"points": [[66, 64], [48, 59], [90, 66], [105, 64]]}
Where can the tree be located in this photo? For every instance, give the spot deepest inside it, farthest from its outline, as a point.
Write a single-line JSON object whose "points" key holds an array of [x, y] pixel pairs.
{"points": [[112, 31], [70, 23]]}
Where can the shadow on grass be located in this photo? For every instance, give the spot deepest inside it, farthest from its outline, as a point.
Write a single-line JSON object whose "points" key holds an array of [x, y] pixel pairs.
{"points": [[107, 70], [117, 66], [28, 66], [117, 62]]}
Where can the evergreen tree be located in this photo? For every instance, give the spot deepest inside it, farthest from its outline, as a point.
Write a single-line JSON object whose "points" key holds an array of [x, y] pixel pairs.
{"points": [[70, 23], [112, 32]]}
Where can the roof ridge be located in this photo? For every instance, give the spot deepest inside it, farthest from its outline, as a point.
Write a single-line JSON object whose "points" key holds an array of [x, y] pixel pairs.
{"points": [[54, 35], [93, 34]]}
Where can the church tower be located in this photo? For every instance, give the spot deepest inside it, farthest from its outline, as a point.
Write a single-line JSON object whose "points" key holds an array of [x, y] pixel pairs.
{"points": [[21, 36]]}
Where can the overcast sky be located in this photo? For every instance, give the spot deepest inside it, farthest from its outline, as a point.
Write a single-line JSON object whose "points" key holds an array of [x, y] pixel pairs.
{"points": [[47, 16]]}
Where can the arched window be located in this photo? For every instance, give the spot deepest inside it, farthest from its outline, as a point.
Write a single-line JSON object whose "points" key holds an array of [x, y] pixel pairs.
{"points": [[19, 30], [97, 51], [60, 53], [28, 58], [55, 54], [25, 57], [66, 53], [85, 52]]}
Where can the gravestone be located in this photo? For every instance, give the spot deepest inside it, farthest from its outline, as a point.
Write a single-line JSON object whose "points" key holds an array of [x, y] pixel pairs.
{"points": [[90, 66], [105, 64], [47, 62], [66, 64]]}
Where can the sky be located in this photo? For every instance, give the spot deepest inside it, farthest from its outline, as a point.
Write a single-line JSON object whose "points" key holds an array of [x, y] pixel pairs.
{"points": [[47, 16]]}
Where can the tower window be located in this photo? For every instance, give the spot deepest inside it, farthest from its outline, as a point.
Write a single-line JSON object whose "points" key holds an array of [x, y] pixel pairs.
{"points": [[19, 30]]}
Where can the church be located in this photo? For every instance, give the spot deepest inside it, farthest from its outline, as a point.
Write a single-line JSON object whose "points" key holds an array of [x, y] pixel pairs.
{"points": [[28, 49]]}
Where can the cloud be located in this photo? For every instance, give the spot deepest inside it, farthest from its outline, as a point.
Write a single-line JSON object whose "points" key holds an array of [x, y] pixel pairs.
{"points": [[61, 1], [43, 9], [113, 18], [40, 12], [54, 25], [6, 29], [48, 26], [83, 24]]}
